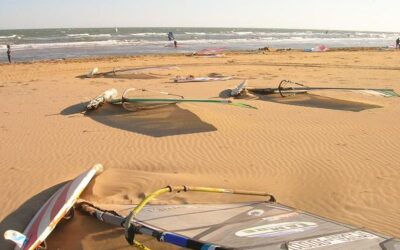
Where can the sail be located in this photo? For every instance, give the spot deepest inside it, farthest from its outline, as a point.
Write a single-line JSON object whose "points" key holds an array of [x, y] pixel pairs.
{"points": [[250, 225], [171, 36]]}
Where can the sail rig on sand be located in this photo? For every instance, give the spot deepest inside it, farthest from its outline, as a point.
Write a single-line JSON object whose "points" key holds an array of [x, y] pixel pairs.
{"points": [[132, 100], [126, 72], [290, 88], [258, 225]]}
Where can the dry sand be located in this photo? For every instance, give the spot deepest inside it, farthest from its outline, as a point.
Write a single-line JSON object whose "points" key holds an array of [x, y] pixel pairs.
{"points": [[339, 164]]}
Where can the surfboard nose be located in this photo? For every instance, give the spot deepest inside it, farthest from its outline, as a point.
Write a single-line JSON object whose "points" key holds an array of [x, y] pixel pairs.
{"points": [[18, 238], [99, 168]]}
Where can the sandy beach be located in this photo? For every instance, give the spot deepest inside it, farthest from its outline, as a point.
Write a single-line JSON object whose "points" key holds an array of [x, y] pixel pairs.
{"points": [[336, 163]]}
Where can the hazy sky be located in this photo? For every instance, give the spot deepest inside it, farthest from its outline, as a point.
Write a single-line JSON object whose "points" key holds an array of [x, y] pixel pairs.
{"points": [[379, 15]]}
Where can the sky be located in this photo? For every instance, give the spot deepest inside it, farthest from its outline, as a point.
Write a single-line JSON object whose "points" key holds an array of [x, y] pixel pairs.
{"points": [[368, 15]]}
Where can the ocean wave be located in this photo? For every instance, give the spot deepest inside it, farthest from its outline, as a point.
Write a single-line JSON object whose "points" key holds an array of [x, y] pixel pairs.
{"points": [[7, 37], [149, 34], [225, 41], [199, 33], [243, 33], [12, 36], [101, 35], [297, 38], [361, 33], [232, 41], [78, 35], [251, 34], [226, 34], [82, 35], [126, 42], [71, 44]]}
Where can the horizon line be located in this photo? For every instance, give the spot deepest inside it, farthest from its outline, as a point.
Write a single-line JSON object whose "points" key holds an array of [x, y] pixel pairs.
{"points": [[174, 27]]}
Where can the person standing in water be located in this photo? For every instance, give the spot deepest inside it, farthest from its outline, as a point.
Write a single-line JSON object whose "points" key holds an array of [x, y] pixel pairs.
{"points": [[175, 44], [9, 53], [398, 43]]}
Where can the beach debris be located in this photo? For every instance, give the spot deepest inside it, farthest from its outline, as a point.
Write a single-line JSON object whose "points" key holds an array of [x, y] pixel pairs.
{"points": [[127, 72], [209, 52], [93, 72], [290, 88], [245, 225], [264, 49], [214, 74], [284, 49], [134, 99], [319, 48], [210, 78]]}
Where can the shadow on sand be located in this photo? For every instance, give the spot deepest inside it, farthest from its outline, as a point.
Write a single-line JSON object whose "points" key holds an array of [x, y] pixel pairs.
{"points": [[69, 234], [21, 217], [165, 121], [123, 76], [311, 101]]}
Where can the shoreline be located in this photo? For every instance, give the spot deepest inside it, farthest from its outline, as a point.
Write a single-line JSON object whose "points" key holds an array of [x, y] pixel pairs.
{"points": [[75, 43], [226, 52]]}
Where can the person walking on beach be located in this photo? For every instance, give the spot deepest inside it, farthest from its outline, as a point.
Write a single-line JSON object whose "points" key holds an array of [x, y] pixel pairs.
{"points": [[398, 43], [9, 53]]}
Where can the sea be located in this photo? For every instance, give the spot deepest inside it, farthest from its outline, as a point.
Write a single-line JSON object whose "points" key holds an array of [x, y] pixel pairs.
{"points": [[53, 44]]}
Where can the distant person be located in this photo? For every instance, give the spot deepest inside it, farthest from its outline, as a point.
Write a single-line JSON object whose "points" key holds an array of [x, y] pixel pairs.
{"points": [[171, 36], [175, 44], [398, 43], [9, 53]]}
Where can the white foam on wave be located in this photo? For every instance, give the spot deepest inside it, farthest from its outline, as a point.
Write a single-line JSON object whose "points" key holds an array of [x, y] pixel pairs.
{"points": [[100, 35], [149, 34], [243, 33], [234, 41], [12, 36], [82, 44], [200, 33], [88, 35], [78, 35], [71, 44]]}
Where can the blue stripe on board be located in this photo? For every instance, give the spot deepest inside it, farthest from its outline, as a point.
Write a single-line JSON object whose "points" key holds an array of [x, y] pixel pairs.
{"points": [[175, 239]]}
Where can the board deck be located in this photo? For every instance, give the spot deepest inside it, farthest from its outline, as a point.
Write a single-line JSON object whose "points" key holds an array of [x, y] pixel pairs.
{"points": [[202, 79], [254, 225], [49, 215]]}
